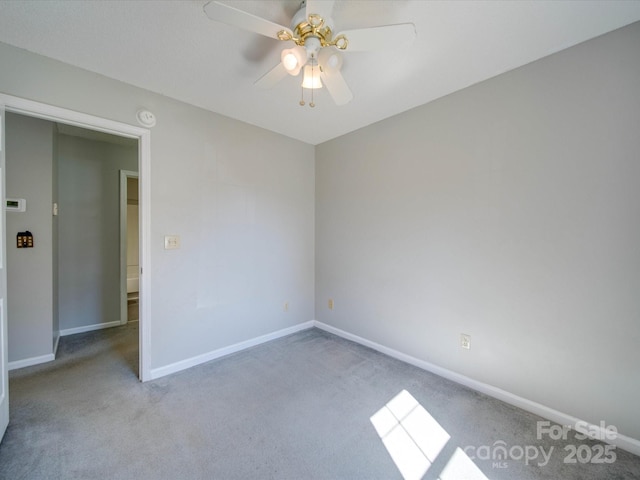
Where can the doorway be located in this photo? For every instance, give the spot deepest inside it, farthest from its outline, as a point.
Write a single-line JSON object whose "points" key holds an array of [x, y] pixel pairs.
{"points": [[68, 117]]}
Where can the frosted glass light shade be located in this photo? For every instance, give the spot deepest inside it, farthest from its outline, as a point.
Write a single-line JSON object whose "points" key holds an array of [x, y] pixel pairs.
{"points": [[311, 77], [290, 61], [330, 60], [293, 59]]}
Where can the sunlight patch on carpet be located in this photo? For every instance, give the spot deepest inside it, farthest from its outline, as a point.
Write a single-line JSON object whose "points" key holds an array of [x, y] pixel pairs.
{"points": [[411, 435], [461, 466]]}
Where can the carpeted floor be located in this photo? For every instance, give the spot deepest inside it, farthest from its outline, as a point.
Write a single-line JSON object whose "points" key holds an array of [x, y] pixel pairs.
{"points": [[133, 306], [296, 408]]}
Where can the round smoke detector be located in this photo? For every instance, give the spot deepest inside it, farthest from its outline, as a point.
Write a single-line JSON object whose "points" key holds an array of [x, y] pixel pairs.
{"points": [[146, 118]]}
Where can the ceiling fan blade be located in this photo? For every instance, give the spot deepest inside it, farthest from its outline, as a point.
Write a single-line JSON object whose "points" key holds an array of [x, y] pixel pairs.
{"points": [[272, 77], [238, 18], [320, 7], [384, 37], [337, 87]]}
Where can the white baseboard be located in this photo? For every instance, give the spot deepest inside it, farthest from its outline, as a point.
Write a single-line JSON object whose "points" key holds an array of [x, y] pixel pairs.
{"points": [[626, 443], [28, 362], [206, 357], [89, 328]]}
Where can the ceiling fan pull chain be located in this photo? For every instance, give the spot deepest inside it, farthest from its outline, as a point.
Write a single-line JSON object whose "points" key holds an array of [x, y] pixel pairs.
{"points": [[302, 96]]}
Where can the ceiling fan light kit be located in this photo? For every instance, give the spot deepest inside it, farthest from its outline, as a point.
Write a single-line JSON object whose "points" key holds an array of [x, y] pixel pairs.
{"points": [[293, 59], [311, 77], [316, 52]]}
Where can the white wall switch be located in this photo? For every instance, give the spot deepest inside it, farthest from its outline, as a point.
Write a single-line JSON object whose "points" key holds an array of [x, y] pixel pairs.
{"points": [[465, 341], [171, 242]]}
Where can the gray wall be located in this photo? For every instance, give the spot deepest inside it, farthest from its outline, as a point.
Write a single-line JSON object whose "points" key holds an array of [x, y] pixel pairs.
{"points": [[241, 199], [89, 229], [508, 211], [29, 175]]}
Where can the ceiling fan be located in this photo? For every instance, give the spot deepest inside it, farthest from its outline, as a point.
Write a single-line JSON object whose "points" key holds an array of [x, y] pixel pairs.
{"points": [[316, 51]]}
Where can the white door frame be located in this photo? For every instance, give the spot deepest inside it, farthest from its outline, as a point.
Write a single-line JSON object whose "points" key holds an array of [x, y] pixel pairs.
{"points": [[4, 359], [124, 175], [143, 135]]}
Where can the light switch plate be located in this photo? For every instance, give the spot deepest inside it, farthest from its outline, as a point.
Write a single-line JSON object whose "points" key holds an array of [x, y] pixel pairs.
{"points": [[171, 242]]}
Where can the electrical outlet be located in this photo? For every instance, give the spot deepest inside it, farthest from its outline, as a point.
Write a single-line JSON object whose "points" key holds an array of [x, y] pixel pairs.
{"points": [[465, 341], [285, 307], [330, 304]]}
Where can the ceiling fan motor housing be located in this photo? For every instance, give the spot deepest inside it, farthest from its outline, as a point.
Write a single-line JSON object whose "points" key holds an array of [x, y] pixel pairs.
{"points": [[308, 25], [312, 46]]}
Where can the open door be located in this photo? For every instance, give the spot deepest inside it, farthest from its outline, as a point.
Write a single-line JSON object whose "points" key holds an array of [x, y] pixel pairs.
{"points": [[4, 373]]}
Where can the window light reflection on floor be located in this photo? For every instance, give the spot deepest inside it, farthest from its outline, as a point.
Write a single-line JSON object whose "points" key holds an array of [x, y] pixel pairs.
{"points": [[414, 439], [461, 466], [411, 435]]}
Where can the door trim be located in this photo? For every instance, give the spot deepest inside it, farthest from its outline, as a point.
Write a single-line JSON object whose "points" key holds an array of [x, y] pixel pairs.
{"points": [[4, 357], [71, 117]]}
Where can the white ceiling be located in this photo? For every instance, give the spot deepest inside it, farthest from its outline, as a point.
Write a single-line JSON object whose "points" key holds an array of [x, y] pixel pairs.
{"points": [[172, 48]]}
